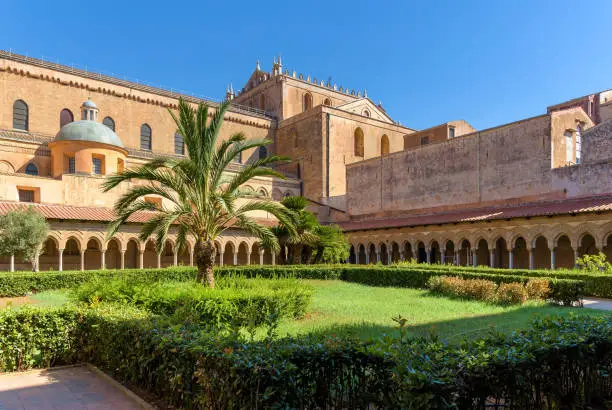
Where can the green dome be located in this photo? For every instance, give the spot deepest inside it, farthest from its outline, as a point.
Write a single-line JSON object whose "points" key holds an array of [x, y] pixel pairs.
{"points": [[86, 130]]}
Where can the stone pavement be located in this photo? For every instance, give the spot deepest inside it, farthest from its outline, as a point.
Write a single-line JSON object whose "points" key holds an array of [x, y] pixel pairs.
{"points": [[597, 303], [65, 388]]}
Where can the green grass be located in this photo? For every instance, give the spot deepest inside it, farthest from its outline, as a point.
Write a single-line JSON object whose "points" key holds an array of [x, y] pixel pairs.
{"points": [[342, 308], [51, 298]]}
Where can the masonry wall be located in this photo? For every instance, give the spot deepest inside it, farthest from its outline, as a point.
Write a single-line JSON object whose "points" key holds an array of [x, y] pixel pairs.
{"points": [[48, 91], [510, 163]]}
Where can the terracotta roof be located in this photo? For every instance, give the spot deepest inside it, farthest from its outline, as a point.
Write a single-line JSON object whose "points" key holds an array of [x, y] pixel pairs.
{"points": [[86, 213], [602, 203]]}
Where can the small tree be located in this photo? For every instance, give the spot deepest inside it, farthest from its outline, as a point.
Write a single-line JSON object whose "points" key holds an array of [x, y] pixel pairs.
{"points": [[594, 263], [332, 246], [23, 233]]}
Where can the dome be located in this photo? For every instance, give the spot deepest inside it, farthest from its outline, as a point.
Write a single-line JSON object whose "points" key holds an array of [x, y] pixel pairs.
{"points": [[88, 131], [89, 104]]}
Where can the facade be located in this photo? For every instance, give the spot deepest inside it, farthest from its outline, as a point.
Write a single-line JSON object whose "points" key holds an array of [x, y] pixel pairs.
{"points": [[533, 193]]}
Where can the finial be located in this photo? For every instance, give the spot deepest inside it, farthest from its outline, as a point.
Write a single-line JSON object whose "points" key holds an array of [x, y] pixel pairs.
{"points": [[294, 74], [257, 67], [280, 61], [365, 93], [231, 88]]}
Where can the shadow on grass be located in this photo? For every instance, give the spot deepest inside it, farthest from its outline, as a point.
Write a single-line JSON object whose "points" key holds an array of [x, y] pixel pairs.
{"points": [[455, 330]]}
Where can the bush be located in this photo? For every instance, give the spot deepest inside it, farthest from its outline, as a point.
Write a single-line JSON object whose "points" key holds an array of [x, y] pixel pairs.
{"points": [[559, 363], [235, 301], [478, 289], [511, 294], [538, 289]]}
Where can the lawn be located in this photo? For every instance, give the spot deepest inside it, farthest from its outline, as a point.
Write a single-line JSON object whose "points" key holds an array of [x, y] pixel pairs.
{"points": [[346, 308]]}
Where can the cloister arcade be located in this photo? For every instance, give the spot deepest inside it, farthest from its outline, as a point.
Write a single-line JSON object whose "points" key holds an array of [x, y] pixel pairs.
{"points": [[82, 250], [535, 246]]}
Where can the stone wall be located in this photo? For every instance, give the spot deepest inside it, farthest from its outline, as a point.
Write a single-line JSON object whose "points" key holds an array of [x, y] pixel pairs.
{"points": [[510, 163]]}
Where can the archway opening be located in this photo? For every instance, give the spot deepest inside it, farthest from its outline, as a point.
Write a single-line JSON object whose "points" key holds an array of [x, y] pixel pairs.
{"points": [[502, 257], [449, 253], [183, 256], [408, 253], [520, 254], [564, 254], [71, 260], [384, 254], [49, 258], [228, 254], [243, 252], [421, 253], [255, 254], [435, 256], [587, 246], [150, 255], [112, 258], [482, 253], [167, 258], [395, 252], [465, 253], [132, 255], [607, 250], [372, 253], [384, 145], [93, 255], [541, 253], [359, 143], [352, 256], [361, 255]]}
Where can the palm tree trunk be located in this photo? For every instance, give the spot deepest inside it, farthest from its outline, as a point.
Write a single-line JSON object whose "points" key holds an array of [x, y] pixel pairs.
{"points": [[205, 258]]}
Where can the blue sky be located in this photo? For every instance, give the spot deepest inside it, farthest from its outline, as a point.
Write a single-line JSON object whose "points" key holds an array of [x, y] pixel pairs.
{"points": [[488, 62]]}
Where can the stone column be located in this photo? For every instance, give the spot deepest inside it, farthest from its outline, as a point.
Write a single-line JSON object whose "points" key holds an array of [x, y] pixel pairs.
{"points": [[61, 259], [158, 260], [220, 258], [82, 260], [103, 259], [367, 255], [235, 257], [248, 258], [511, 258], [37, 262], [428, 255], [390, 257], [576, 256], [491, 258], [12, 263], [457, 258], [122, 259], [175, 256], [261, 256], [531, 258], [552, 258], [474, 259], [442, 257], [141, 259], [377, 256]]}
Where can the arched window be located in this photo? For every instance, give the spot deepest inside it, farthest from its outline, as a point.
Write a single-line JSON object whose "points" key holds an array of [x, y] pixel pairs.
{"points": [[20, 115], [179, 144], [262, 102], [366, 113], [307, 102], [263, 152], [359, 143], [384, 145], [327, 102], [31, 169], [66, 117], [109, 122], [145, 137]]}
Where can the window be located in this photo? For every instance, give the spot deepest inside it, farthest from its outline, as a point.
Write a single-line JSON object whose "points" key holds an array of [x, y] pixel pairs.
{"points": [[179, 144], [307, 102], [366, 113], [66, 117], [569, 149], [425, 140], [109, 122], [20, 115], [26, 195], [97, 166], [451, 132], [578, 143], [263, 152], [359, 148], [31, 169], [384, 145], [327, 102], [145, 137], [71, 165]]}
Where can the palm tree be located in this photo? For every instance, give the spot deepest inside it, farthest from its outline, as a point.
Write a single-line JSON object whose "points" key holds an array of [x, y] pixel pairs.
{"points": [[202, 197], [299, 235]]}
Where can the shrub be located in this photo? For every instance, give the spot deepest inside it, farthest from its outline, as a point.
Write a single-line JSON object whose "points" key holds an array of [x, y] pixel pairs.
{"points": [[537, 289], [511, 294], [478, 289], [235, 301]]}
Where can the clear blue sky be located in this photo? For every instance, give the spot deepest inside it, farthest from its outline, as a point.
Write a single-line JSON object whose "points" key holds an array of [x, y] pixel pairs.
{"points": [[488, 62]]}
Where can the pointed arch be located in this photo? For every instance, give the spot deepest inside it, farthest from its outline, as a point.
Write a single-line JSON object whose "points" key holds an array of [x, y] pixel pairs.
{"points": [[307, 101]]}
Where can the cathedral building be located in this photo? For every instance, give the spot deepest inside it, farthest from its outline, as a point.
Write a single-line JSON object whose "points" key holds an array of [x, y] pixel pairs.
{"points": [[535, 193]]}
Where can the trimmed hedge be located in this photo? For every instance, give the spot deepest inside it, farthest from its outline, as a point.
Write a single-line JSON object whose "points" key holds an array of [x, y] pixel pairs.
{"points": [[559, 363]]}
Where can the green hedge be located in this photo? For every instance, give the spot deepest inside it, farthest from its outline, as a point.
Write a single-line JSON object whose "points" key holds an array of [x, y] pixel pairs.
{"points": [[234, 302], [559, 363]]}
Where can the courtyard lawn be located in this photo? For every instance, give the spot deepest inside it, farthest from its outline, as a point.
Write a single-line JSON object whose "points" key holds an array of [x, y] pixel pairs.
{"points": [[342, 308], [47, 298]]}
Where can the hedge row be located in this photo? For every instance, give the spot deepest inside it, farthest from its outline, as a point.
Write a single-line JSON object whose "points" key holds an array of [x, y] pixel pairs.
{"points": [[559, 363]]}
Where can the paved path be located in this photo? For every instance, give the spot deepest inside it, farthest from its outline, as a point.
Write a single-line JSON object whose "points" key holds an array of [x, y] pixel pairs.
{"points": [[65, 388], [597, 303]]}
